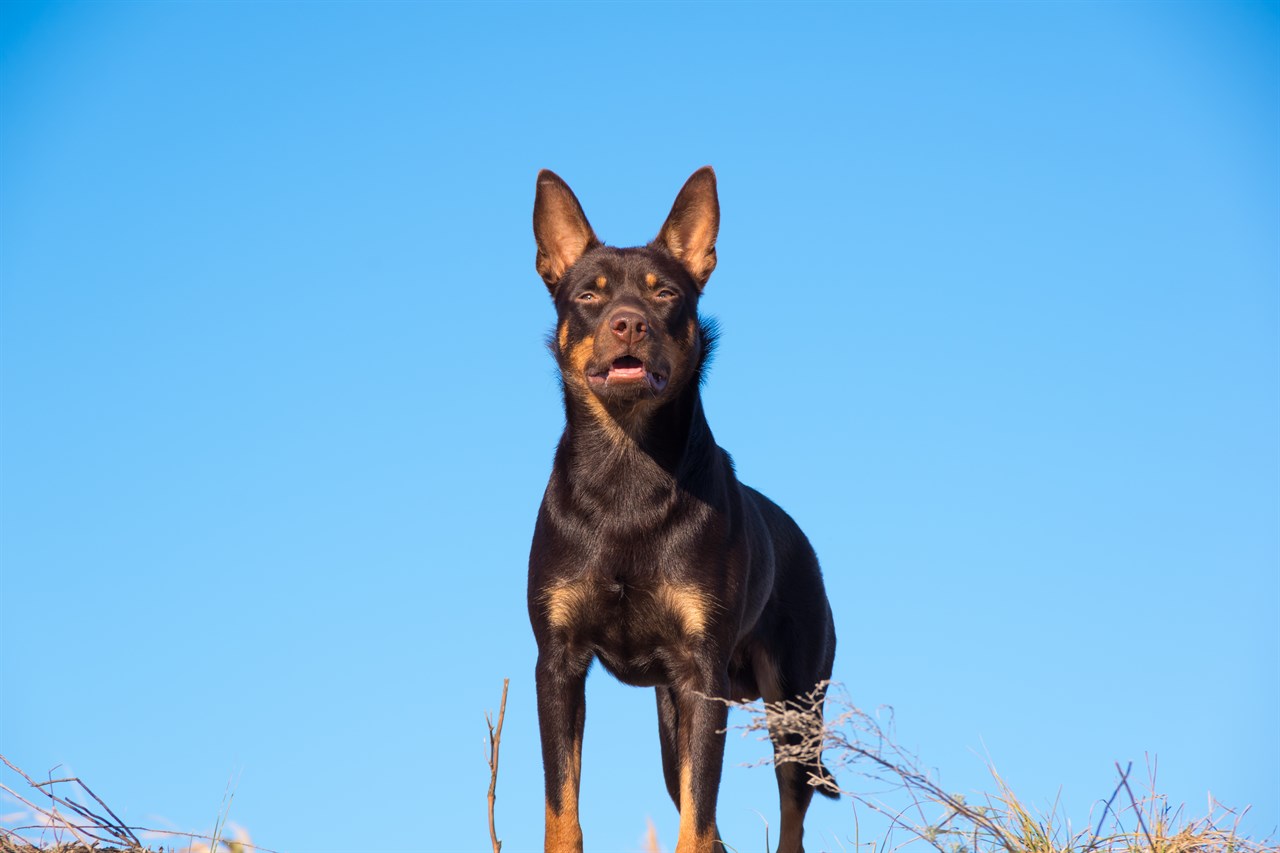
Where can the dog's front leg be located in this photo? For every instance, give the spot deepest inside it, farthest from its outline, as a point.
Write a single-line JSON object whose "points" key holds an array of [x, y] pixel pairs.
{"points": [[562, 713], [702, 720]]}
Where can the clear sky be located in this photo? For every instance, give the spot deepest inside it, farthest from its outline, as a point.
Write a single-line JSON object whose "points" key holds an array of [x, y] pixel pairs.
{"points": [[998, 286]]}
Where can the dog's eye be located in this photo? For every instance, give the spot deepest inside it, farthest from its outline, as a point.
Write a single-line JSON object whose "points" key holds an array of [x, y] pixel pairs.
{"points": [[666, 293], [586, 296]]}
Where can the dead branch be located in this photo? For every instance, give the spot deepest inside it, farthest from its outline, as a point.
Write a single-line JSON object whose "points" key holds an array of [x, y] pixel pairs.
{"points": [[88, 827], [495, 739], [119, 824], [118, 831]]}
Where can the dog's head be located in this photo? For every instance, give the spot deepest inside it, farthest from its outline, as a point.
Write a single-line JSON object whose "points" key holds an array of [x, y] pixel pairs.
{"points": [[627, 335]]}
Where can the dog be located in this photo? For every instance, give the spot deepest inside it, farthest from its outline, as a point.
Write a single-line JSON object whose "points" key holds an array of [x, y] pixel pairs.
{"points": [[648, 554]]}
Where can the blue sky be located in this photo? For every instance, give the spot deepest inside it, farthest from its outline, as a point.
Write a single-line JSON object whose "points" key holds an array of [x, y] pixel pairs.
{"points": [[998, 286]]}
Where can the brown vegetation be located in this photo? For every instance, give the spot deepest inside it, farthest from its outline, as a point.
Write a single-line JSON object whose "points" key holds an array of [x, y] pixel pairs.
{"points": [[852, 740], [997, 822], [53, 823]]}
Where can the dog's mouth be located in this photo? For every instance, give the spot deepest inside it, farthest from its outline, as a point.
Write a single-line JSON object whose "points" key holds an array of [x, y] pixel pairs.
{"points": [[628, 370]]}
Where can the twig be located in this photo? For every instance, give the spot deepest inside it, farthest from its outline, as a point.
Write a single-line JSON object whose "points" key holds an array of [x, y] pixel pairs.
{"points": [[495, 739], [118, 830], [1124, 780], [194, 835], [119, 824], [1093, 842], [98, 828], [57, 821]]}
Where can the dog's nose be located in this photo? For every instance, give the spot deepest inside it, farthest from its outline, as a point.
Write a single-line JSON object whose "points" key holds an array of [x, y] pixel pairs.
{"points": [[629, 326]]}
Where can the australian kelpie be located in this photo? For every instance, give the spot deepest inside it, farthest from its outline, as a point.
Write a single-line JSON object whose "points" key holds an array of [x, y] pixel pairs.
{"points": [[648, 553]]}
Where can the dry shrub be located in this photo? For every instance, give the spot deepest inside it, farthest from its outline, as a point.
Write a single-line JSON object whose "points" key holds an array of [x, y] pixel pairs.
{"points": [[997, 822], [81, 822]]}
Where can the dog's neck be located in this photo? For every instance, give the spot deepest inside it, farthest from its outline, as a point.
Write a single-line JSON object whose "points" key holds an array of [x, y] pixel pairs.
{"points": [[657, 449]]}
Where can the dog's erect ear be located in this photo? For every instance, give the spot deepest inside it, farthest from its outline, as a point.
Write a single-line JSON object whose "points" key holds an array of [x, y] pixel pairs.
{"points": [[560, 227], [690, 230]]}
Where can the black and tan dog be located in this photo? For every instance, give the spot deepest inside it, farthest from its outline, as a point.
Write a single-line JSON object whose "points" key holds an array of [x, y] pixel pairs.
{"points": [[648, 553]]}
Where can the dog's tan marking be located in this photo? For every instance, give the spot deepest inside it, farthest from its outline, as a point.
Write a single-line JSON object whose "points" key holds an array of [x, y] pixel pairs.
{"points": [[689, 604], [611, 427], [651, 279], [564, 833], [563, 337], [690, 840], [690, 230], [579, 355], [563, 601], [560, 229], [601, 281]]}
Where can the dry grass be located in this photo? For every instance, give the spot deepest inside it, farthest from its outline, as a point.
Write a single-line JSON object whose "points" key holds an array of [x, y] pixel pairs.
{"points": [[73, 819], [853, 740], [998, 822]]}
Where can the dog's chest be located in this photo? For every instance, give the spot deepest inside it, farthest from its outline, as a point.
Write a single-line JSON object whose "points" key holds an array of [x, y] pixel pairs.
{"points": [[640, 630]]}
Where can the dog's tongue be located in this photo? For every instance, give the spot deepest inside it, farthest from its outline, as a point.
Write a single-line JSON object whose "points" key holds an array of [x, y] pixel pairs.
{"points": [[627, 366]]}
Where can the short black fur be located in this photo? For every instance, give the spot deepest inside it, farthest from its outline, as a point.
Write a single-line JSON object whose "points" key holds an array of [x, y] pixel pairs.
{"points": [[648, 554]]}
